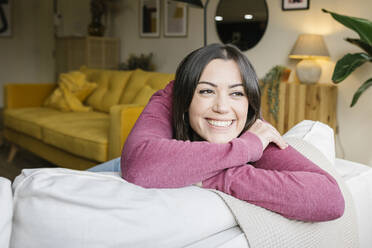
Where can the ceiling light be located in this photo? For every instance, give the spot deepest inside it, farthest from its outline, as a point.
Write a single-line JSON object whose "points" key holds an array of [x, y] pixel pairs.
{"points": [[248, 17], [218, 18]]}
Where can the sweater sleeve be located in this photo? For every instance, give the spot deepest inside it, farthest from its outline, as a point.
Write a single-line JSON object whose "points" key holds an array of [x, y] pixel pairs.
{"points": [[298, 195], [283, 181], [286, 182], [151, 158]]}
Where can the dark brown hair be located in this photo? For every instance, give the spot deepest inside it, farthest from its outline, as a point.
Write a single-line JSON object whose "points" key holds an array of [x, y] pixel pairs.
{"points": [[187, 77]]}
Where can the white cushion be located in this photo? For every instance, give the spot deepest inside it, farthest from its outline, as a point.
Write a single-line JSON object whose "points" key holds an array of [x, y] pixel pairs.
{"points": [[6, 211], [318, 134], [68, 208]]}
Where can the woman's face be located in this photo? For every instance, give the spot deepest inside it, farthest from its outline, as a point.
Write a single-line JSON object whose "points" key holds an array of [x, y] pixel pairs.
{"points": [[219, 107]]}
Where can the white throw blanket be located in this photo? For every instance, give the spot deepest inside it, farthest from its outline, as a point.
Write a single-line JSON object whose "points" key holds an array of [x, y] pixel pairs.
{"points": [[67, 208], [264, 228]]}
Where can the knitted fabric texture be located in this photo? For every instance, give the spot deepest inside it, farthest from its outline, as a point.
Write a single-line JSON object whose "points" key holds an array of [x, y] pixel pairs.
{"points": [[266, 229]]}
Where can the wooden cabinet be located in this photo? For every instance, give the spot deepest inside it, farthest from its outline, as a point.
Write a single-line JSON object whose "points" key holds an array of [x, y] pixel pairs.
{"points": [[94, 52], [299, 102]]}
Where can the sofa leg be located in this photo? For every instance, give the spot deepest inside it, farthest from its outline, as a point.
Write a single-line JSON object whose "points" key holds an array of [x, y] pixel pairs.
{"points": [[1, 138], [12, 152]]}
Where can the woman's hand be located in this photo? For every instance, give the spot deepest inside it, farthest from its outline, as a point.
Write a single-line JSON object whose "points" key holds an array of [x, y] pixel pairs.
{"points": [[267, 134]]}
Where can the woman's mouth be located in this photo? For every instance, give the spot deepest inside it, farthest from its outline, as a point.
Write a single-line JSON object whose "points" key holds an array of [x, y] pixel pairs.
{"points": [[219, 123]]}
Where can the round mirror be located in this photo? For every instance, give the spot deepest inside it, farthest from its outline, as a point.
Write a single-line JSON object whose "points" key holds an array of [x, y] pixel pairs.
{"points": [[241, 22]]}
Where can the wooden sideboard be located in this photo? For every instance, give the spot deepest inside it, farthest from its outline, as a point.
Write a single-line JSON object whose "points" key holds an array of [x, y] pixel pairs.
{"points": [[299, 102], [93, 52]]}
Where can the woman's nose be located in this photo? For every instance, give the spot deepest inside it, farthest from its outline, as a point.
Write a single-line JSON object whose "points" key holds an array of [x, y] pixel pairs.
{"points": [[221, 105]]}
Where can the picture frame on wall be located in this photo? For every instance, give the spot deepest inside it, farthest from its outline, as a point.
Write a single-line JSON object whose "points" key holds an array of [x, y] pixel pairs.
{"points": [[5, 18], [295, 4], [149, 18], [175, 19]]}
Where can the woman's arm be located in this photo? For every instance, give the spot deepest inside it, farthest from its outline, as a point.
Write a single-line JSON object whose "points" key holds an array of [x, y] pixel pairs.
{"points": [[302, 195], [151, 158], [288, 159]]}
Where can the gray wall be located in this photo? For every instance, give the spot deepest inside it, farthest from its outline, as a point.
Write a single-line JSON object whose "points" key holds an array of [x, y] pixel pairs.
{"points": [[27, 55]]}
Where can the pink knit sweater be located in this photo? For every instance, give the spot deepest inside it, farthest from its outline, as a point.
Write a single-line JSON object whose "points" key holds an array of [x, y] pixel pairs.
{"points": [[282, 181]]}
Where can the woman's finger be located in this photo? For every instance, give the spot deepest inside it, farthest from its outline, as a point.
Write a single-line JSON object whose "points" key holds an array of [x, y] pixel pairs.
{"points": [[277, 138], [279, 141], [267, 134]]}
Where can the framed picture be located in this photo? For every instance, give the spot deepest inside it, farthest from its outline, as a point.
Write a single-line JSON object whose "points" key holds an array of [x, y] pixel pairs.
{"points": [[175, 19], [295, 4], [5, 18], [149, 18]]}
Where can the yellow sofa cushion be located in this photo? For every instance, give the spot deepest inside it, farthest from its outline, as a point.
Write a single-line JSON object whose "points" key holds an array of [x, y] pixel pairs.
{"points": [[29, 120], [73, 89], [139, 79], [111, 84], [144, 95], [83, 134]]}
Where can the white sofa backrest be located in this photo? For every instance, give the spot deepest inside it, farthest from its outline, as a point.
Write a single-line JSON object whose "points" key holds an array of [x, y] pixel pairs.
{"points": [[6, 211], [62, 208]]}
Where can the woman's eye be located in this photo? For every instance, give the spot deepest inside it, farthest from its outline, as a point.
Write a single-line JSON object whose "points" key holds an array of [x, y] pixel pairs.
{"points": [[205, 91], [237, 93]]}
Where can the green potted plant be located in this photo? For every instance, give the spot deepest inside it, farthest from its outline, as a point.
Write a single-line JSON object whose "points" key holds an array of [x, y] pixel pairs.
{"points": [[348, 63], [272, 80], [143, 61]]}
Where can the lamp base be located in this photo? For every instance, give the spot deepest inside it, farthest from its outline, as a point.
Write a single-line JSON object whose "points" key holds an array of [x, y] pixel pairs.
{"points": [[308, 71]]}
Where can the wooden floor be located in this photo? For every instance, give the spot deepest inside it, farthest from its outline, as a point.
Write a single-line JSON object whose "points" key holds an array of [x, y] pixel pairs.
{"points": [[22, 160]]}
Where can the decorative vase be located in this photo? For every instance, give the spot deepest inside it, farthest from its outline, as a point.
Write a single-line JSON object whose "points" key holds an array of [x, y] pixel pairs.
{"points": [[97, 9], [96, 28]]}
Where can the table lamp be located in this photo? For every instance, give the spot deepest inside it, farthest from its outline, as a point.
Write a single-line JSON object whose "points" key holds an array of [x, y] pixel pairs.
{"points": [[309, 47]]}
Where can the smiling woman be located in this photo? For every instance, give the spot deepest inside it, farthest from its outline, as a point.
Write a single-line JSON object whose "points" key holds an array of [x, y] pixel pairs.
{"points": [[205, 127], [214, 85], [218, 110]]}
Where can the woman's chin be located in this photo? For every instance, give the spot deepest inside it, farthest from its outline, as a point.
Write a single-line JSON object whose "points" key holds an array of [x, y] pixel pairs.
{"points": [[219, 140]]}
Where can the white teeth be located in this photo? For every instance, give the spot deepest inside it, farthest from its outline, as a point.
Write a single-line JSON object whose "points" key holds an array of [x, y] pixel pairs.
{"points": [[219, 123]]}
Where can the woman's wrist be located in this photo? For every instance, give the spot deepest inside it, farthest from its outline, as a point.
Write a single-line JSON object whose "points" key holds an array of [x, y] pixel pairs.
{"points": [[253, 145]]}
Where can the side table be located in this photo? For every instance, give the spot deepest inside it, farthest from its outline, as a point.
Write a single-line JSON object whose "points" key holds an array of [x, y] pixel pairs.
{"points": [[299, 102]]}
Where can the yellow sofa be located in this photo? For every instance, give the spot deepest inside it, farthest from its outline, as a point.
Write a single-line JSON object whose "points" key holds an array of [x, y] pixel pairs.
{"points": [[79, 140]]}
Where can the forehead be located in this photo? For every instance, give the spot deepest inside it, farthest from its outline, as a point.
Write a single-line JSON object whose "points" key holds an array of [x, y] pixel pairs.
{"points": [[220, 71]]}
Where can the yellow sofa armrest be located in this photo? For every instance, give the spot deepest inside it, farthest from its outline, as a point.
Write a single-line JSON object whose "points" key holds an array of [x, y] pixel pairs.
{"points": [[122, 119], [26, 95]]}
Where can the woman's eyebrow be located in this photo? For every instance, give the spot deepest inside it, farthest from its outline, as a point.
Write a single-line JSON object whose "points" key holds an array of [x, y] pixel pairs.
{"points": [[209, 83], [235, 85], [215, 86]]}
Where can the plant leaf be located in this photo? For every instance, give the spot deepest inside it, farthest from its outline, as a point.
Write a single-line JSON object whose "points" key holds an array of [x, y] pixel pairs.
{"points": [[363, 45], [347, 64], [362, 26], [359, 92]]}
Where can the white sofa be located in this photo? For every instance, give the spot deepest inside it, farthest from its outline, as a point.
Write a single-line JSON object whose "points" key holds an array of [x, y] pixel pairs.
{"points": [[68, 208], [57, 207], [6, 211]]}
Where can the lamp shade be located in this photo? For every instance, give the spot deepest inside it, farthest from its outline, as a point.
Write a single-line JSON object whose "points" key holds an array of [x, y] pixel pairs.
{"points": [[193, 3], [309, 46]]}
